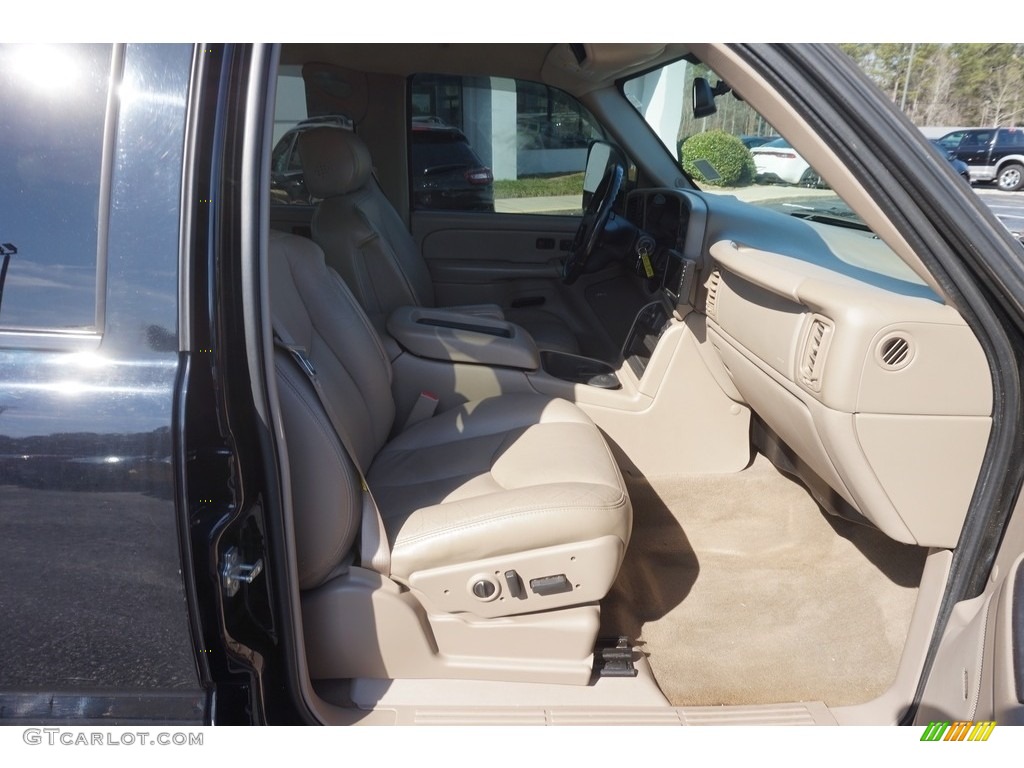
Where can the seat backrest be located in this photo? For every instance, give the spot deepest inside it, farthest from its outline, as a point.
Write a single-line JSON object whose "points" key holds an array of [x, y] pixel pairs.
{"points": [[313, 306], [362, 235]]}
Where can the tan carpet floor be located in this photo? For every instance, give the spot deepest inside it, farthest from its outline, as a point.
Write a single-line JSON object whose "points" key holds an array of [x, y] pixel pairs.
{"points": [[742, 591]]}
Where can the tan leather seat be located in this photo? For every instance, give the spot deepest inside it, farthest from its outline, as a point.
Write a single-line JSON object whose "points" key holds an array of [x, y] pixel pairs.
{"points": [[366, 242], [516, 484], [496, 477]]}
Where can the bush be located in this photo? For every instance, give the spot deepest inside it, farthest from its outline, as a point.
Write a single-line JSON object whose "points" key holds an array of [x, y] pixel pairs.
{"points": [[725, 152]]}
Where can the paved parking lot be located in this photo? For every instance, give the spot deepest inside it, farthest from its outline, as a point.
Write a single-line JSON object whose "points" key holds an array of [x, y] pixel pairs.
{"points": [[1007, 206]]}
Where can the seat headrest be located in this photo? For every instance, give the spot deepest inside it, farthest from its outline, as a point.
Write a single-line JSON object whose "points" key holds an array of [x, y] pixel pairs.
{"points": [[334, 161]]}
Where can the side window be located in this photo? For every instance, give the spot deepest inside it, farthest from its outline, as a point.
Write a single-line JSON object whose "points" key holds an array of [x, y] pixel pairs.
{"points": [[496, 144], [51, 196], [1011, 138], [951, 141], [976, 140]]}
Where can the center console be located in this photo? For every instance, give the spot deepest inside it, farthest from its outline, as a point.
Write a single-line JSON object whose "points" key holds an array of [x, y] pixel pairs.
{"points": [[579, 370], [654, 319], [650, 323]]}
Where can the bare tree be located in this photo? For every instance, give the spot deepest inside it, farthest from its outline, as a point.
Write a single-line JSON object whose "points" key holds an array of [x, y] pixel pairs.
{"points": [[951, 83], [1003, 94], [936, 106]]}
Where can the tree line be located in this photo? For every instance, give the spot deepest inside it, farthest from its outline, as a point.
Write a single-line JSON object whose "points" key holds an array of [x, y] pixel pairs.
{"points": [[948, 84], [936, 84]]}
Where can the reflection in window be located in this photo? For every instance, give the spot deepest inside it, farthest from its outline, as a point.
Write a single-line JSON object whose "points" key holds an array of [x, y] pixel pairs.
{"points": [[497, 144], [51, 151], [474, 143]]}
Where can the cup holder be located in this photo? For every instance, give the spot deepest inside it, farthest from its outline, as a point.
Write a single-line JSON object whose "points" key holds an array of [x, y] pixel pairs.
{"points": [[579, 370]]}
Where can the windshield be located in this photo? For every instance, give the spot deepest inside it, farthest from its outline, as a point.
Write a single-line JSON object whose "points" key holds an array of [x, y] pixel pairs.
{"points": [[732, 149]]}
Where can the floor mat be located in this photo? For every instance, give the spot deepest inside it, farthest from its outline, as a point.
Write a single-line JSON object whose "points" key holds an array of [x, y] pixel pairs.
{"points": [[742, 591]]}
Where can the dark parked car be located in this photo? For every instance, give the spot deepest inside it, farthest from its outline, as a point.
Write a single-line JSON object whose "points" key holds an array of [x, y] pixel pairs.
{"points": [[768, 471], [959, 166], [446, 172]]}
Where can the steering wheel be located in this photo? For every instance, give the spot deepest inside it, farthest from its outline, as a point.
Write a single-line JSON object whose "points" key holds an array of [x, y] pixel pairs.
{"points": [[592, 227]]}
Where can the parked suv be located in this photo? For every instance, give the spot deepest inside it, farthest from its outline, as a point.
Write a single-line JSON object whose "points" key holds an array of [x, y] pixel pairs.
{"points": [[992, 154], [446, 172]]}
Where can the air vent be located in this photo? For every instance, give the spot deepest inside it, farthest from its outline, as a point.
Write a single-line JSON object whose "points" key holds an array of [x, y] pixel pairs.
{"points": [[711, 302], [895, 352], [812, 359]]}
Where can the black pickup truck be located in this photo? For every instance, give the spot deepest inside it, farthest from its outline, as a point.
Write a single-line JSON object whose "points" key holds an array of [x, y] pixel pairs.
{"points": [[993, 154]]}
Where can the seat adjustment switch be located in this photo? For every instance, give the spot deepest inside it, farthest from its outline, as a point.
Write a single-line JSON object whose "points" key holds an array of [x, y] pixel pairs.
{"points": [[515, 585], [550, 585]]}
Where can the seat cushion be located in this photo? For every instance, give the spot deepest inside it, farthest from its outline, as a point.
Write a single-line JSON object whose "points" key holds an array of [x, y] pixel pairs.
{"points": [[495, 477]]}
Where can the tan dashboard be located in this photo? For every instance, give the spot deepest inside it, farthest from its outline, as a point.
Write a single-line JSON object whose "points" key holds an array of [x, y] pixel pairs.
{"points": [[885, 396]]}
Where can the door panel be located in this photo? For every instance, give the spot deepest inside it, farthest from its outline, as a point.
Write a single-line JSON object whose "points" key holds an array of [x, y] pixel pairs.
{"points": [[505, 259], [514, 261]]}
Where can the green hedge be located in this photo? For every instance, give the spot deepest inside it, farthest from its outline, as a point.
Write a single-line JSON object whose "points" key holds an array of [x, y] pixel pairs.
{"points": [[725, 152]]}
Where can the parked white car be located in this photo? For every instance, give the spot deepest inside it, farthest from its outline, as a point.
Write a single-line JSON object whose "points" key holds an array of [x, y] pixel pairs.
{"points": [[777, 161]]}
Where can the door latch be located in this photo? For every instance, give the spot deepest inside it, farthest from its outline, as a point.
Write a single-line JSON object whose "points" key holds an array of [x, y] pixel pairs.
{"points": [[234, 572]]}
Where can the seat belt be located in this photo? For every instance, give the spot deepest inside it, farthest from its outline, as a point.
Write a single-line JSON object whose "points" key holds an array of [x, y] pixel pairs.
{"points": [[374, 552]]}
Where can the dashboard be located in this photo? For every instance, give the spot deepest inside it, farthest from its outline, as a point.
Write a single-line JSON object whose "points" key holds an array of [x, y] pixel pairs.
{"points": [[873, 386], [658, 256]]}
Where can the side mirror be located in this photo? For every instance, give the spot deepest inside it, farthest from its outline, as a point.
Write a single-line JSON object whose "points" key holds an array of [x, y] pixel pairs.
{"points": [[600, 155], [703, 98]]}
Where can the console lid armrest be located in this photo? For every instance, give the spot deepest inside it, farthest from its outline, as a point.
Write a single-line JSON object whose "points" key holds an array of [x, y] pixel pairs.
{"points": [[443, 334], [492, 311]]}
